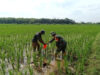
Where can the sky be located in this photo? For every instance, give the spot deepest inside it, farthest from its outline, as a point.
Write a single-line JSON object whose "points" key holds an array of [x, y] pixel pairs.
{"points": [[78, 10]]}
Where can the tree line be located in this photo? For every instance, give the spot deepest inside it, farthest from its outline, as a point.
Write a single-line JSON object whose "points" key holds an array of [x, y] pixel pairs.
{"points": [[35, 21]]}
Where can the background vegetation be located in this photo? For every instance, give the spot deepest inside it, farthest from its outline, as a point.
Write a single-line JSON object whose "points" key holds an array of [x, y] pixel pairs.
{"points": [[35, 21]]}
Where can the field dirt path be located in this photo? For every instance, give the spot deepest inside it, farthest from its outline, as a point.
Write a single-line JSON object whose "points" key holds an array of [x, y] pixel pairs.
{"points": [[94, 60]]}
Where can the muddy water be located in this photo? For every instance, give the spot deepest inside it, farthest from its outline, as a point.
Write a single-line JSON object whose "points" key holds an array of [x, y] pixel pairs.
{"points": [[43, 71], [46, 70]]}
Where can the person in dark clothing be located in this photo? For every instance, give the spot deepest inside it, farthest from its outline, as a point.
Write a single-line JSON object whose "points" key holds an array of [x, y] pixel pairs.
{"points": [[36, 39], [60, 44]]}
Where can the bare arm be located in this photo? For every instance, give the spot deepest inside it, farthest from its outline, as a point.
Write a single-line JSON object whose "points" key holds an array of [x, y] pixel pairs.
{"points": [[51, 40], [40, 39]]}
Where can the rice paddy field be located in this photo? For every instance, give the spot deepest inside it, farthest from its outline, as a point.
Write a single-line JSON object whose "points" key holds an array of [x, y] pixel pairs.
{"points": [[17, 56]]}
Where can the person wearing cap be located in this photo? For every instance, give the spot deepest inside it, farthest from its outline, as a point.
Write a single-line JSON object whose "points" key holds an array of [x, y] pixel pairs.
{"points": [[60, 44], [36, 39]]}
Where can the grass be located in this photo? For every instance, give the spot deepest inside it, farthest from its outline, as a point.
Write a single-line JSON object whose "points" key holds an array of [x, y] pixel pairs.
{"points": [[16, 49]]}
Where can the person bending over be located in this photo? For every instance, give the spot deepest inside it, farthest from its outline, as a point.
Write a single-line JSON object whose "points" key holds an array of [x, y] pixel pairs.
{"points": [[36, 39], [60, 44]]}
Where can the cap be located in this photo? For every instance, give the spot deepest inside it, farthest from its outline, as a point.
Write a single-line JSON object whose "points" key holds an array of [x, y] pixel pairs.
{"points": [[53, 33], [42, 32]]}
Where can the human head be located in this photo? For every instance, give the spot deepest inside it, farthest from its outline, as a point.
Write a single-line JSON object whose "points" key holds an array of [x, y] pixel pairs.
{"points": [[53, 34], [42, 32]]}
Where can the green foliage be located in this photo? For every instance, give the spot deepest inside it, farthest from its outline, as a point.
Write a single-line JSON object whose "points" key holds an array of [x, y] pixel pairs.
{"points": [[35, 21], [16, 49]]}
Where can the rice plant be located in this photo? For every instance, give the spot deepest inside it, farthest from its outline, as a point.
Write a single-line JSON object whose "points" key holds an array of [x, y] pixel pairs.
{"points": [[16, 52]]}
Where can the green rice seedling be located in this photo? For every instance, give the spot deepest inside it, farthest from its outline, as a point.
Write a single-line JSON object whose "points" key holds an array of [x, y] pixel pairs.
{"points": [[11, 72], [30, 71], [35, 60], [25, 73], [18, 61], [19, 73], [3, 67], [13, 61], [28, 58], [59, 66], [3, 55], [66, 63], [52, 73], [15, 46]]}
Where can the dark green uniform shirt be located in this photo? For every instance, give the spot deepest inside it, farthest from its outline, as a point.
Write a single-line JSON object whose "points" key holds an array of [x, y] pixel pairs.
{"points": [[60, 42], [37, 37]]}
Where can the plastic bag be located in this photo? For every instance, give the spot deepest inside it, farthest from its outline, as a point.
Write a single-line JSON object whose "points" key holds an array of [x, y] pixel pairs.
{"points": [[45, 46]]}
